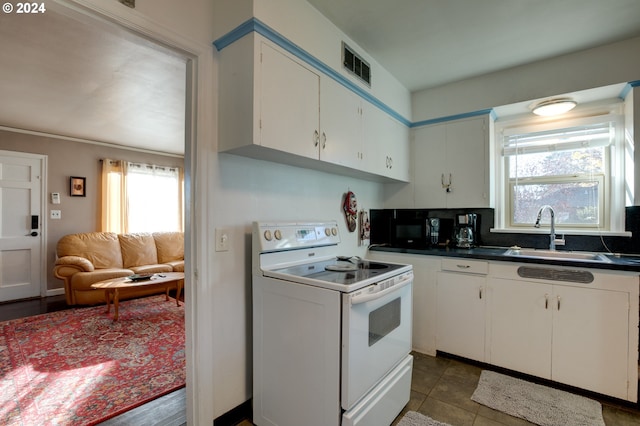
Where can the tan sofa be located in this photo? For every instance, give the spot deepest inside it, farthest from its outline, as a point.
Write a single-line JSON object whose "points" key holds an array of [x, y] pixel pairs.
{"points": [[85, 259]]}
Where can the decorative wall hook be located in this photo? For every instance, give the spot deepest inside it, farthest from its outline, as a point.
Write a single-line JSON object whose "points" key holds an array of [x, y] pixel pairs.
{"points": [[446, 186]]}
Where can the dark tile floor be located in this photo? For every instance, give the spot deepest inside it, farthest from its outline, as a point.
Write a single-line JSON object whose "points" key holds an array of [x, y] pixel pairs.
{"points": [[441, 389]]}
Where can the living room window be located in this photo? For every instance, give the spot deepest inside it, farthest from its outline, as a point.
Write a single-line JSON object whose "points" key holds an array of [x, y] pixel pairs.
{"points": [[574, 165], [141, 197]]}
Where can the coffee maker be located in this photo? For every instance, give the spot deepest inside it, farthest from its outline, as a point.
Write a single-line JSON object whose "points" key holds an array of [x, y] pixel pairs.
{"points": [[466, 231]]}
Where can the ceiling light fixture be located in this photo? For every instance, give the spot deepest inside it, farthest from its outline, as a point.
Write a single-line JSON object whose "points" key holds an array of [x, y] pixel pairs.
{"points": [[554, 106]]}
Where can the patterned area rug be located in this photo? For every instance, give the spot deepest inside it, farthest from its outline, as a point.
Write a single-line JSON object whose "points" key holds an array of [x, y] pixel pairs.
{"points": [[79, 367], [538, 404]]}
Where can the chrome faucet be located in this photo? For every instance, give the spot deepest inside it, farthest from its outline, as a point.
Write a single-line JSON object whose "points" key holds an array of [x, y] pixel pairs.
{"points": [[552, 236]]}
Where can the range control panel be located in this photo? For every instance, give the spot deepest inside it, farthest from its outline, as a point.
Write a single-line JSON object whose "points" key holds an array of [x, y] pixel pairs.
{"points": [[287, 236]]}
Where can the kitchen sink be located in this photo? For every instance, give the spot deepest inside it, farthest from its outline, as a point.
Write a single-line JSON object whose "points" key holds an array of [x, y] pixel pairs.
{"points": [[558, 255]]}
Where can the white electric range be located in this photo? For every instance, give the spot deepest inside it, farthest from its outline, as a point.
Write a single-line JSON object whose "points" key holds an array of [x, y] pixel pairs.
{"points": [[331, 333]]}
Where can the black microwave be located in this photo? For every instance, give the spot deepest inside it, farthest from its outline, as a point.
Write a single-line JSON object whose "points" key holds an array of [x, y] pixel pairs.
{"points": [[409, 232]]}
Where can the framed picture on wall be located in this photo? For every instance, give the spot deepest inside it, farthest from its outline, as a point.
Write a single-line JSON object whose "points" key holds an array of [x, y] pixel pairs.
{"points": [[78, 186]]}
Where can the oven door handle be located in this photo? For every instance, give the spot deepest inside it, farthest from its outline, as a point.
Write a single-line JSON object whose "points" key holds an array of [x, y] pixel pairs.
{"points": [[367, 297]]}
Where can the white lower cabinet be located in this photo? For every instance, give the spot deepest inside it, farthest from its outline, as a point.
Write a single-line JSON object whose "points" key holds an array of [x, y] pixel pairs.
{"points": [[462, 308], [580, 334]]}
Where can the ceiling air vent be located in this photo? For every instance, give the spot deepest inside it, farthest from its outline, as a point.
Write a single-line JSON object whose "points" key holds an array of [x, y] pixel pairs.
{"points": [[355, 64]]}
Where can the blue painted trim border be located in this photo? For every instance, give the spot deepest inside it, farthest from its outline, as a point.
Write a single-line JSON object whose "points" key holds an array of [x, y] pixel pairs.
{"points": [[259, 27], [627, 88], [489, 111]]}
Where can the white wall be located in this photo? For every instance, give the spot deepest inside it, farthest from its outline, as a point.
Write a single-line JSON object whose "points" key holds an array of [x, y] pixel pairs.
{"points": [[232, 191], [601, 66], [247, 190]]}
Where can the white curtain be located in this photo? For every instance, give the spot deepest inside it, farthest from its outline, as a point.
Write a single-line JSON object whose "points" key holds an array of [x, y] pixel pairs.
{"points": [[114, 204]]}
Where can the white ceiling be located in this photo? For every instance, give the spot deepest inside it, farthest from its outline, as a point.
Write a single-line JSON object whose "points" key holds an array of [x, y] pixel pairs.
{"points": [[69, 75], [65, 74], [428, 43]]}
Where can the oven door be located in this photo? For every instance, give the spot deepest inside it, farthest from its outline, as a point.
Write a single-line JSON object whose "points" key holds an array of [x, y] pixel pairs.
{"points": [[376, 334]]}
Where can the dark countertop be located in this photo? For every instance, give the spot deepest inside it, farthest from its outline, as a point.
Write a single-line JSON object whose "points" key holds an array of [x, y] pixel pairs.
{"points": [[619, 262]]}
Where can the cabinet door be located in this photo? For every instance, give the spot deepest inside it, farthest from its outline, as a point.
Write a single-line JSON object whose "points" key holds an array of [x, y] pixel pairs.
{"points": [[520, 326], [386, 144], [289, 104], [429, 164], [467, 159], [397, 162], [590, 339], [340, 125], [461, 315], [456, 153]]}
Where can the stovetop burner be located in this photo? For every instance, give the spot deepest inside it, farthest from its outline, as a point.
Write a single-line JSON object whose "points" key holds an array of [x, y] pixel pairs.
{"points": [[341, 267], [339, 271], [348, 265]]}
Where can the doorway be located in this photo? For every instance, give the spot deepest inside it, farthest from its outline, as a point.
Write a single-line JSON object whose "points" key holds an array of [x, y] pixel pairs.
{"points": [[157, 39], [22, 229]]}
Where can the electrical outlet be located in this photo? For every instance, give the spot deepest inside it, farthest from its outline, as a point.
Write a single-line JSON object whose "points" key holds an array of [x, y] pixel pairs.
{"points": [[222, 239], [56, 214]]}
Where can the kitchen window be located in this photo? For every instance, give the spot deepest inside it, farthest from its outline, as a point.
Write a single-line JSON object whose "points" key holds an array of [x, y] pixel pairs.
{"points": [[574, 165]]}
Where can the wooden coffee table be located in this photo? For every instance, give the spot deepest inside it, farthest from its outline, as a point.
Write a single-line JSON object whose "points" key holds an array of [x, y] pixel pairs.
{"points": [[113, 287]]}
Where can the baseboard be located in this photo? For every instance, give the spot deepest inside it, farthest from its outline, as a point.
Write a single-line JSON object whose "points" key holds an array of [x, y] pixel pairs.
{"points": [[55, 292], [235, 416]]}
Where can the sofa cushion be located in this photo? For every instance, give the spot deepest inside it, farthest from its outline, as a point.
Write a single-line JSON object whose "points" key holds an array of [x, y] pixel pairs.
{"points": [[102, 249], [138, 250], [83, 280], [170, 246]]}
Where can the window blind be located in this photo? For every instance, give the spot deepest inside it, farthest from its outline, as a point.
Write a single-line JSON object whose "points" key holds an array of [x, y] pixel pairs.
{"points": [[572, 138]]}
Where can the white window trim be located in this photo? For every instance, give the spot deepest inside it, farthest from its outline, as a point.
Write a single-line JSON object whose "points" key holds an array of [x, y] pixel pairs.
{"points": [[615, 181]]}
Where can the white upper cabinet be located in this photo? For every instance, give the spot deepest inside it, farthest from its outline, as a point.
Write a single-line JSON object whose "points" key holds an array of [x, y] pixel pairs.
{"points": [[386, 144], [274, 106], [340, 129], [289, 104], [451, 164]]}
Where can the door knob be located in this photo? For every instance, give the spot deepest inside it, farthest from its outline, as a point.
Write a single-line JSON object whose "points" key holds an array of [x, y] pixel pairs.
{"points": [[34, 234]]}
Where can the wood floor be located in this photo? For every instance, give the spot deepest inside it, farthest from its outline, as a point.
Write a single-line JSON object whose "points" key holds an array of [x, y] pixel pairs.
{"points": [[168, 410]]}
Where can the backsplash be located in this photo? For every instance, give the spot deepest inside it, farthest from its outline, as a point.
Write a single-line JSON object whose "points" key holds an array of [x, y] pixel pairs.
{"points": [[485, 221]]}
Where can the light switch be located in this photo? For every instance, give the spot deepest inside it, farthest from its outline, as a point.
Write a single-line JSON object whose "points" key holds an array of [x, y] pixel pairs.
{"points": [[222, 239], [56, 214]]}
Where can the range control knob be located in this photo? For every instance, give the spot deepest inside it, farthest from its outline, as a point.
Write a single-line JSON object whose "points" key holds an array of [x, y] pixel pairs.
{"points": [[267, 235], [334, 231], [327, 232], [278, 234]]}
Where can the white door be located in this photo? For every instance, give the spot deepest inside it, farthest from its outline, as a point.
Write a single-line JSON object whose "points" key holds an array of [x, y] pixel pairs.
{"points": [[461, 315], [340, 124], [521, 319], [590, 333], [289, 105], [376, 335], [21, 241]]}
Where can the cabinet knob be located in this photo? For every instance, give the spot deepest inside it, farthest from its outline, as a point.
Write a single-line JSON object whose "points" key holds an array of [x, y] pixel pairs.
{"points": [[324, 140], [316, 138]]}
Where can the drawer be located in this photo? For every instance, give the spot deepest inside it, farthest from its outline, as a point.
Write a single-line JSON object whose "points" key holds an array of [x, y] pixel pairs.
{"points": [[465, 265]]}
